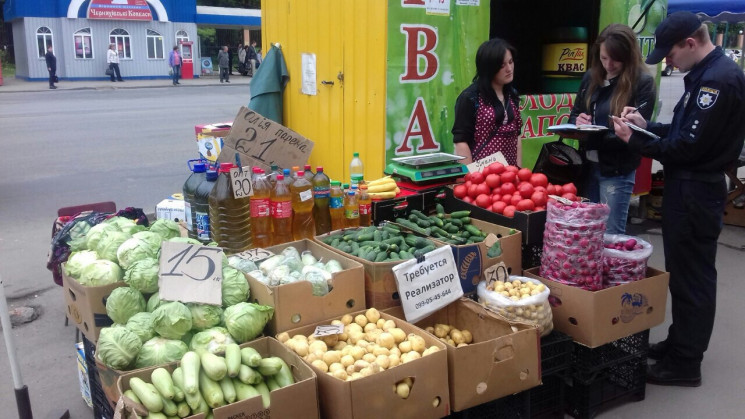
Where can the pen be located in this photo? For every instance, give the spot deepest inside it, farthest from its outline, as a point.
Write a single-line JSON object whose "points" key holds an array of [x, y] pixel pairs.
{"points": [[639, 107]]}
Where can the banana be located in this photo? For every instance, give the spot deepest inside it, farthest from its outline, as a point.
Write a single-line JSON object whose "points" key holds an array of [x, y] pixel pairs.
{"points": [[386, 187], [383, 195], [383, 180]]}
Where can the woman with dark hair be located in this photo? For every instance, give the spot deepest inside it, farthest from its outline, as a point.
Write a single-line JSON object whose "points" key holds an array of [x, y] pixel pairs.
{"points": [[487, 113], [617, 77]]}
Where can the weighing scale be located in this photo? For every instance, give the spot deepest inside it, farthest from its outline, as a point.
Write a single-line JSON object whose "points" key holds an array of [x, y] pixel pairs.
{"points": [[427, 168]]}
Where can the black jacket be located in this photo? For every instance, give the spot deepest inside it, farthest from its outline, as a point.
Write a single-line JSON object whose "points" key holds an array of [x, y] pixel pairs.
{"points": [[615, 157], [51, 61], [708, 127]]}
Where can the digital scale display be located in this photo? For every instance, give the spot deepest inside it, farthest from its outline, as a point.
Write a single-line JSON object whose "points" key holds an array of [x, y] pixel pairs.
{"points": [[427, 167], [441, 172]]}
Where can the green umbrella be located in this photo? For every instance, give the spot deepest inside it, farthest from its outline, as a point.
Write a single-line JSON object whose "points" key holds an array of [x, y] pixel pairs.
{"points": [[267, 85]]}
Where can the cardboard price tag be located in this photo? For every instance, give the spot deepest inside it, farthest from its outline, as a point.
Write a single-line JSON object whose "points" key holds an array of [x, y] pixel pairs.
{"points": [[255, 255], [328, 330], [427, 284], [190, 273], [477, 166], [240, 181], [496, 273]]}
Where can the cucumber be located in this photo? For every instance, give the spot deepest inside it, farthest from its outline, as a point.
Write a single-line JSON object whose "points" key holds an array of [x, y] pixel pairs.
{"points": [[456, 222], [436, 221], [412, 226], [355, 248], [460, 214], [439, 209], [394, 240], [381, 256], [364, 236], [190, 366], [452, 229], [211, 391], [384, 235], [377, 236], [250, 357], [474, 230], [213, 366], [423, 250], [390, 229], [423, 223], [233, 359], [403, 246], [161, 379], [404, 255], [147, 394], [335, 243]]}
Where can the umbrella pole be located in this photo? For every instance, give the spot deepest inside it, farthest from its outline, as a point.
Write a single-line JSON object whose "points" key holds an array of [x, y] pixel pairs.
{"points": [[21, 390]]}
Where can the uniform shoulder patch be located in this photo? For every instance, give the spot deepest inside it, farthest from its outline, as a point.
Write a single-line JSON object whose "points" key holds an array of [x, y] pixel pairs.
{"points": [[706, 97]]}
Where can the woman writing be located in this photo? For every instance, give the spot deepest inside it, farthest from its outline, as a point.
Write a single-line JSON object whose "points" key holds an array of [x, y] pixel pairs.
{"points": [[487, 113], [617, 78]]}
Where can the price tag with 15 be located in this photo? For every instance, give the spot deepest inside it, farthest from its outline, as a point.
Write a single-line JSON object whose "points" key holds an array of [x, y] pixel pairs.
{"points": [[190, 273]]}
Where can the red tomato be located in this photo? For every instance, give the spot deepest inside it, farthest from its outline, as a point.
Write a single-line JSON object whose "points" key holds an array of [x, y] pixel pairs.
{"points": [[512, 168], [539, 179], [468, 184], [485, 171], [483, 201], [492, 180], [483, 189], [498, 207], [569, 188], [468, 199], [539, 189], [540, 208], [526, 190], [524, 174], [526, 205], [460, 191], [556, 190], [507, 199], [507, 188], [516, 198], [496, 198], [509, 211], [539, 198], [570, 196], [472, 192], [477, 177], [496, 168], [467, 177], [507, 177]]}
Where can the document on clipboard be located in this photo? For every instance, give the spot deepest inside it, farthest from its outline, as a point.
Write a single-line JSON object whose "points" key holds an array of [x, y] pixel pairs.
{"points": [[571, 128], [642, 130]]}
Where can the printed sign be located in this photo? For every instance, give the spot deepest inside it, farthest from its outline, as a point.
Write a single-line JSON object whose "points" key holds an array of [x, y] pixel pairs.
{"points": [[119, 10], [328, 330], [427, 284], [480, 164], [259, 141], [240, 181], [255, 255], [438, 7], [309, 74], [467, 3], [190, 273]]}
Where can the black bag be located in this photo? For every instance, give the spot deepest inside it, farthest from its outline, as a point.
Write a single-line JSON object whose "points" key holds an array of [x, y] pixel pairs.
{"points": [[560, 162], [56, 79], [109, 71]]}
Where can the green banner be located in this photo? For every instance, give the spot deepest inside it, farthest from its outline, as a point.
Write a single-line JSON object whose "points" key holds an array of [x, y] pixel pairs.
{"points": [[431, 58]]}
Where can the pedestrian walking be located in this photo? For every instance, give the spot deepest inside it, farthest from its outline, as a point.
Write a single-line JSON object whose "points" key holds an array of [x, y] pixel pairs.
{"points": [[174, 60], [702, 141], [112, 58], [224, 62], [251, 58], [51, 66], [241, 59]]}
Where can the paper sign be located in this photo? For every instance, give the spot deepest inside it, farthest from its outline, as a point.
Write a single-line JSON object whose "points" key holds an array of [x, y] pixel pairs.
{"points": [[190, 273], [306, 195], [259, 141], [255, 255], [309, 74], [429, 285], [240, 181], [497, 157], [467, 2], [496, 273], [328, 330], [438, 7]]}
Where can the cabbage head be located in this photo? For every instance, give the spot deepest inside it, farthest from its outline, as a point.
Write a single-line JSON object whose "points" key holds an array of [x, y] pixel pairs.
{"points": [[123, 303], [243, 265], [143, 275], [166, 228], [185, 240], [172, 320], [135, 249], [118, 347], [204, 316], [212, 340], [234, 286], [142, 324], [159, 351], [96, 232], [79, 260], [109, 244], [100, 272], [154, 302], [126, 225], [245, 321]]}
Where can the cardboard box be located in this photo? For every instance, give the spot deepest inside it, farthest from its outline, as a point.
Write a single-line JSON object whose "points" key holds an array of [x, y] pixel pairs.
{"points": [[109, 378], [85, 388], [498, 363], [299, 400], [373, 396], [594, 318], [295, 305], [86, 306], [171, 209]]}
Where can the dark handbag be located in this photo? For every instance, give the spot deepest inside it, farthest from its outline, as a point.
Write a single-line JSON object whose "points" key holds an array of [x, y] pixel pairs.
{"points": [[109, 71], [560, 162], [56, 79]]}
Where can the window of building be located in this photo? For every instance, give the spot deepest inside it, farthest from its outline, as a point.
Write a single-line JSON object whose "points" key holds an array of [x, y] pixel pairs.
{"points": [[83, 42], [154, 45], [181, 36], [43, 40], [121, 39]]}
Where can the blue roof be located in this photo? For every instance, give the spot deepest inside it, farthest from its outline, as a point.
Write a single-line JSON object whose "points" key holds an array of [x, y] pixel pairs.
{"points": [[707, 7]]}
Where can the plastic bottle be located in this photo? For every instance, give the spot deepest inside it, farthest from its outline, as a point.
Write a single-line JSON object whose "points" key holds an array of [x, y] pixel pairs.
{"points": [[293, 174], [345, 188], [351, 210], [261, 220], [201, 207], [303, 226], [336, 205], [288, 178], [273, 175], [321, 194], [365, 206], [356, 169], [308, 174], [281, 210], [230, 218], [197, 176]]}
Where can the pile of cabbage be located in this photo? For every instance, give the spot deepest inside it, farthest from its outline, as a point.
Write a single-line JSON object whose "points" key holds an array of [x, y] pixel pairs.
{"points": [[291, 266]]}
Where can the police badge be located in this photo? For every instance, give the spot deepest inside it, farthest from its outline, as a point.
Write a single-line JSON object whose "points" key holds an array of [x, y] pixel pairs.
{"points": [[706, 97]]}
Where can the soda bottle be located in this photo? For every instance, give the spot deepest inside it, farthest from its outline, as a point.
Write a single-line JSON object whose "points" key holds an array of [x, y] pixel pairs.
{"points": [[261, 221], [230, 218], [293, 174], [345, 188], [273, 175], [336, 205], [321, 191], [288, 178], [201, 207], [280, 203], [303, 226], [365, 206], [198, 174], [356, 169], [308, 174], [351, 210]]}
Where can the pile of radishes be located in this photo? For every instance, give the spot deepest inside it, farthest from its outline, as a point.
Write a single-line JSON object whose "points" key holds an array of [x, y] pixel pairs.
{"points": [[506, 189], [624, 259]]}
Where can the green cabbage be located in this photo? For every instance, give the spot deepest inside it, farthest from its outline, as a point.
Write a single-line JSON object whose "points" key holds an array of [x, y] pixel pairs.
{"points": [[234, 286], [109, 244], [172, 320], [204, 316], [166, 228], [154, 302], [245, 321], [100, 272], [126, 225], [123, 303], [159, 351], [243, 265], [211, 340], [142, 324], [135, 249], [79, 260], [118, 347], [96, 232], [142, 275], [185, 240]]}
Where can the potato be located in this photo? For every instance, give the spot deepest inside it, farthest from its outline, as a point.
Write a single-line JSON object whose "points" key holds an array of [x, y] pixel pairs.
{"points": [[386, 340], [339, 346], [337, 322], [320, 365], [350, 370], [441, 330], [283, 337], [380, 323], [358, 352], [310, 358], [405, 346], [336, 366], [410, 356], [301, 348], [318, 345], [343, 337], [356, 376], [369, 358], [398, 334], [347, 319], [430, 350], [417, 343], [330, 340], [457, 337], [340, 374], [467, 336], [366, 372], [395, 351], [451, 342], [460, 345], [402, 390], [347, 360], [372, 336], [355, 337], [393, 360], [362, 343], [383, 361], [354, 327], [290, 343], [331, 357], [312, 339], [508, 286], [370, 327], [360, 364], [380, 350], [372, 315], [388, 325], [361, 320], [430, 329]]}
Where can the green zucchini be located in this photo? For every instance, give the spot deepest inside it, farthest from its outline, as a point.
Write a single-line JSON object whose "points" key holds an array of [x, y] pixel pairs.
{"points": [[250, 357], [147, 394], [233, 359]]}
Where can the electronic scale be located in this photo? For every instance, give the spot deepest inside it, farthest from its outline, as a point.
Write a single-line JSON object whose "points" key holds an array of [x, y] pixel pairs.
{"points": [[427, 168]]}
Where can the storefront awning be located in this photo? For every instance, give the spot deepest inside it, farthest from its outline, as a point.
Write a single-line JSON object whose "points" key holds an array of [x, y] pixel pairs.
{"points": [[228, 16]]}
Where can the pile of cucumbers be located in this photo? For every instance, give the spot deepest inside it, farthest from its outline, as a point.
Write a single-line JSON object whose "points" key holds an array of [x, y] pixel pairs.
{"points": [[454, 228], [379, 244]]}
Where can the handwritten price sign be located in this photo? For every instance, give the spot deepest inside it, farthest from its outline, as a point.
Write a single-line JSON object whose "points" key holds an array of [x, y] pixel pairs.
{"points": [[190, 273], [255, 255], [496, 273], [240, 180], [328, 330]]}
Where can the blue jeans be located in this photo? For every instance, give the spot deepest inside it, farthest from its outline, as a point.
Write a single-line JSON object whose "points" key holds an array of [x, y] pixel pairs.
{"points": [[616, 192], [176, 73]]}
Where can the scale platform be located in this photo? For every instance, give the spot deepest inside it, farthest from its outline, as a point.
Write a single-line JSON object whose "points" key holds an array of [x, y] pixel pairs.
{"points": [[427, 168]]}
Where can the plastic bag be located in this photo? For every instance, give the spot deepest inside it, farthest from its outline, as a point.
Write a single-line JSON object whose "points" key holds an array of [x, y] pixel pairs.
{"points": [[624, 259], [533, 309]]}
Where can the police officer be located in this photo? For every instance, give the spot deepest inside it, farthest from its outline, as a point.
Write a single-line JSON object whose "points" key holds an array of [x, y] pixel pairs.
{"points": [[702, 141]]}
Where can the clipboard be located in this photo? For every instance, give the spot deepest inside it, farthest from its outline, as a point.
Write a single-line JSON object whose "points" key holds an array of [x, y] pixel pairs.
{"points": [[642, 130], [571, 128]]}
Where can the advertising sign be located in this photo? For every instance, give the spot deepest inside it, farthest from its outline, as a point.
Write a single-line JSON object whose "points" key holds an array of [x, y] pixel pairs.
{"points": [[119, 10]]}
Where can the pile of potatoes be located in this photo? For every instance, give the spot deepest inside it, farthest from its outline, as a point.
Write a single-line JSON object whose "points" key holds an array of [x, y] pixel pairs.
{"points": [[451, 335], [368, 345], [516, 290]]}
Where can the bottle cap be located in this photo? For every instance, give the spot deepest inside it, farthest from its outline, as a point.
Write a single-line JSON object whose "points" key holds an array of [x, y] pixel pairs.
{"points": [[280, 177], [301, 173], [225, 167], [356, 154], [350, 193], [307, 168], [199, 168], [345, 185], [286, 172], [295, 168], [335, 183], [257, 169], [319, 169], [211, 175], [363, 187], [274, 167]]}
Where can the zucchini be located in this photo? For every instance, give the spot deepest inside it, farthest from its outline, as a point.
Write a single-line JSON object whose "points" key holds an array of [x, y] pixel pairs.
{"points": [[264, 391], [213, 366], [156, 415], [190, 366], [228, 389], [244, 391], [284, 377], [211, 391], [178, 380], [249, 375], [270, 366], [233, 359], [183, 410], [131, 394], [272, 383], [169, 407], [250, 357], [161, 379], [147, 394]]}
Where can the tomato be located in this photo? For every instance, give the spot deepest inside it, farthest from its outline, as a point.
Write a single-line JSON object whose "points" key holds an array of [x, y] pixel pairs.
{"points": [[511, 168], [468, 184], [507, 188], [467, 177], [498, 207], [526, 190], [468, 199], [492, 180], [460, 191], [540, 208], [477, 177], [556, 190], [539, 179], [539, 198], [472, 192], [524, 174], [509, 211], [526, 205], [539, 189], [483, 201], [496, 198], [569, 188], [516, 198], [483, 189], [507, 199], [507, 177], [570, 196], [496, 168]]}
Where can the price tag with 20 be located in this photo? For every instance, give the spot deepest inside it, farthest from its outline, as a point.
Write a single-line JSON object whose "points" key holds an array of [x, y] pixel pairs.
{"points": [[190, 273], [240, 180]]}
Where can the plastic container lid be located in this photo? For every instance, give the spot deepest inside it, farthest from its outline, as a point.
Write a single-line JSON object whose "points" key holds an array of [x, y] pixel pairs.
{"points": [[225, 167], [199, 168], [301, 173], [350, 193], [211, 175], [335, 183], [355, 154], [319, 169], [286, 172]]}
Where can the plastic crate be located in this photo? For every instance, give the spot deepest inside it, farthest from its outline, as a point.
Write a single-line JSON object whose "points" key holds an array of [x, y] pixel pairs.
{"points": [[556, 353], [587, 363], [617, 384], [549, 399], [532, 254], [102, 409], [516, 406]]}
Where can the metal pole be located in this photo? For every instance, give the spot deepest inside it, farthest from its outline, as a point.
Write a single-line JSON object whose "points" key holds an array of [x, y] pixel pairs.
{"points": [[22, 399]]}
